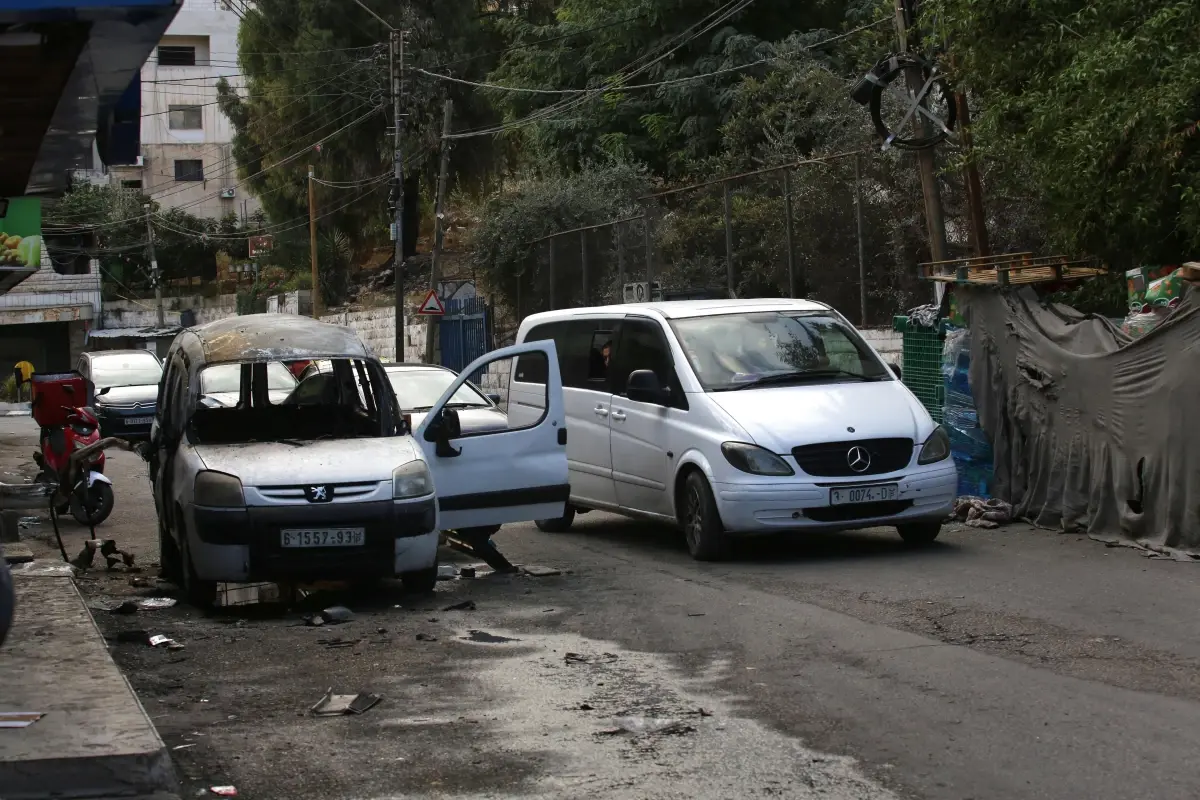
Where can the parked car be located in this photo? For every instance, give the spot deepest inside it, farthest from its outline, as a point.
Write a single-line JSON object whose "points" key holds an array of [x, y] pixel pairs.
{"points": [[329, 484], [125, 384], [733, 417], [418, 387]]}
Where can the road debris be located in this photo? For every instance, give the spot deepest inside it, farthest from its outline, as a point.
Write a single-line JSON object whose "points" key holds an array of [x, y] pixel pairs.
{"points": [[19, 719], [426, 637], [335, 705], [467, 572], [643, 726], [465, 605], [127, 607], [336, 643], [183, 746], [336, 615], [577, 658], [159, 640], [695, 613], [224, 791], [540, 572], [447, 572], [113, 555], [156, 603], [483, 637], [978, 512]]}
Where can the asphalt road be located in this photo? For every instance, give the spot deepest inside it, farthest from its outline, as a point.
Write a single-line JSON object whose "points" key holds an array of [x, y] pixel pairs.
{"points": [[998, 664]]}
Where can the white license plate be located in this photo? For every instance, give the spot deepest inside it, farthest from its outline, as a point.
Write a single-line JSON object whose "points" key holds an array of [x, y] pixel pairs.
{"points": [[139, 420], [864, 494], [323, 537]]}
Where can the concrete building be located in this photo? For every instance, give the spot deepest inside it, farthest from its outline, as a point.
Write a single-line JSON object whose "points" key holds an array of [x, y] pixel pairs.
{"points": [[186, 142]]}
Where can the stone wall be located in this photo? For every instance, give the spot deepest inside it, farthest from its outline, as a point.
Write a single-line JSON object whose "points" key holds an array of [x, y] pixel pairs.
{"points": [[377, 328], [142, 314], [887, 342]]}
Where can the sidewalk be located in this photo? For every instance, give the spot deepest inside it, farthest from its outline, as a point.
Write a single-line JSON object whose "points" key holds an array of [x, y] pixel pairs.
{"points": [[95, 739]]}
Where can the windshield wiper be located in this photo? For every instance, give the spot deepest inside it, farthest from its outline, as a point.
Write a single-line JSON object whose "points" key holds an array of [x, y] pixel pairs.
{"points": [[798, 376]]}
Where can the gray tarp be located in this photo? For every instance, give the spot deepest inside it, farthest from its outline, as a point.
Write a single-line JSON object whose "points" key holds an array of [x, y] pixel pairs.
{"points": [[1091, 431]]}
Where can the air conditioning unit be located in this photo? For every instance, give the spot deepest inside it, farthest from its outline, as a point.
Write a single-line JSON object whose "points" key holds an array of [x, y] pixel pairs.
{"points": [[642, 292], [228, 193]]}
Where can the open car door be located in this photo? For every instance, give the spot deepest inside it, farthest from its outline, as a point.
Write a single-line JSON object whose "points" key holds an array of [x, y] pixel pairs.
{"points": [[506, 475]]}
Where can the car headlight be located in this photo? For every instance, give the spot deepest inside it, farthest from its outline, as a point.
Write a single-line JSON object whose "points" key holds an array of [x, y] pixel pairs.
{"points": [[754, 459], [411, 480], [218, 490], [936, 447]]}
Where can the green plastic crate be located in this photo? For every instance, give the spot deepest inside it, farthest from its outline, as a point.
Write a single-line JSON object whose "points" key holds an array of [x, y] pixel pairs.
{"points": [[922, 372]]}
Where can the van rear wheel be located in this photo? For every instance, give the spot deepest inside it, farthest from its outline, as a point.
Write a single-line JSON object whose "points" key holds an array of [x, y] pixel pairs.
{"points": [[701, 521], [558, 524]]}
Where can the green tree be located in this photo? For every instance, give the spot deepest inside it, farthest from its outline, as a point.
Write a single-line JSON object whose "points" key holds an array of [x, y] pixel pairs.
{"points": [[1098, 101]]}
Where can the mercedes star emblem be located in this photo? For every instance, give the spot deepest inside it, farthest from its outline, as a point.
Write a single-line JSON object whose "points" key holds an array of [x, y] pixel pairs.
{"points": [[858, 459]]}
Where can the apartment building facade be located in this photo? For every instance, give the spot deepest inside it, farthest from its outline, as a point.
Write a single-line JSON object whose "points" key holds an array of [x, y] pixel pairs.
{"points": [[186, 142]]}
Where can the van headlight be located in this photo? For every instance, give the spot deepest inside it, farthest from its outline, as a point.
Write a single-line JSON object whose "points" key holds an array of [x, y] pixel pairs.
{"points": [[936, 447], [218, 490], [754, 459], [411, 480]]}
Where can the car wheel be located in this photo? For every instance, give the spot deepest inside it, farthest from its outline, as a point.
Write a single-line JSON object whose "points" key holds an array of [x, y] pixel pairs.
{"points": [[421, 580], [919, 533], [558, 524], [201, 594], [706, 537], [169, 560]]}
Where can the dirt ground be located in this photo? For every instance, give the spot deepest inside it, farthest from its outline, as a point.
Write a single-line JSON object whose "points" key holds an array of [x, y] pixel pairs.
{"points": [[1001, 664]]}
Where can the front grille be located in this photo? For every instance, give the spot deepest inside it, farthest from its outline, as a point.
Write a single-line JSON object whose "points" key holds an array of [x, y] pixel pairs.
{"points": [[341, 492], [857, 511], [832, 459]]}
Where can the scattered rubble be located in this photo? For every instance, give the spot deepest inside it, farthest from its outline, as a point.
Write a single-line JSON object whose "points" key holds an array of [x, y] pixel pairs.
{"points": [[465, 605], [336, 705], [978, 512], [483, 637], [643, 726]]}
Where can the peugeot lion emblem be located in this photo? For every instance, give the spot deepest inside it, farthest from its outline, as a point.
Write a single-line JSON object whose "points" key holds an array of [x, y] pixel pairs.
{"points": [[318, 494], [858, 459]]}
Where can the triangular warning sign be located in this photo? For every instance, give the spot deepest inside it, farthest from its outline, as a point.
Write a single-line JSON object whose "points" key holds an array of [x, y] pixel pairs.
{"points": [[431, 305]]}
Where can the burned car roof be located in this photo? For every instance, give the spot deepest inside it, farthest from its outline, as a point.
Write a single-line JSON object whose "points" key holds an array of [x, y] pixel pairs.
{"points": [[270, 337]]}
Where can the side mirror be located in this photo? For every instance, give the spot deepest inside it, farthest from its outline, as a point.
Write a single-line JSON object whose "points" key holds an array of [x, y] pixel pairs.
{"points": [[495, 398], [442, 430], [895, 368], [643, 387]]}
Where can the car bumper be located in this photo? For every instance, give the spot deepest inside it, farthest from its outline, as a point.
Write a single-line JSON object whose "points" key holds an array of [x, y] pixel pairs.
{"points": [[926, 495], [244, 544]]}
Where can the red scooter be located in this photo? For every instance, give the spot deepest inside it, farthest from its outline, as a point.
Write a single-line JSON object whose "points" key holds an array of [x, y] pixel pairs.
{"points": [[72, 452]]}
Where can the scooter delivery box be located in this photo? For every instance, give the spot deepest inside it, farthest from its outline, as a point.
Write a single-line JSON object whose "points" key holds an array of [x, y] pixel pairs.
{"points": [[54, 393]]}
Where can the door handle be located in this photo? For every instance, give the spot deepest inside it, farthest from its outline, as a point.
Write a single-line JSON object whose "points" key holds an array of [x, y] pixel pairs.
{"points": [[601, 411], [619, 416]]}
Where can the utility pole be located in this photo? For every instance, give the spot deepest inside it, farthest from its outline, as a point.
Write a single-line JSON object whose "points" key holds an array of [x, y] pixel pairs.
{"points": [[315, 292], [435, 272], [935, 220], [396, 41], [979, 234], [862, 264], [154, 276]]}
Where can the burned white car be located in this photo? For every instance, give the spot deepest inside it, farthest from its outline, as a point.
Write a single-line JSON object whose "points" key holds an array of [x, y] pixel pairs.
{"points": [[326, 483]]}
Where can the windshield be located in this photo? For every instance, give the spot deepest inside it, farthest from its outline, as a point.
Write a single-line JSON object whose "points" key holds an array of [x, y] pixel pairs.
{"points": [[125, 369], [420, 388], [735, 351], [227, 379]]}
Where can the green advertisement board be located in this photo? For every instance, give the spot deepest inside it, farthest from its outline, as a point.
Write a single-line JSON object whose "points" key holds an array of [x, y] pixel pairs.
{"points": [[21, 232]]}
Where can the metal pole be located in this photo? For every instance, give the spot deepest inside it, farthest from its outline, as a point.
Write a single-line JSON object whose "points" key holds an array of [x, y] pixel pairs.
{"points": [[649, 253], [315, 292], [788, 233], [154, 276], [620, 264], [862, 264], [552, 249], [396, 40], [728, 241], [583, 264], [435, 272]]}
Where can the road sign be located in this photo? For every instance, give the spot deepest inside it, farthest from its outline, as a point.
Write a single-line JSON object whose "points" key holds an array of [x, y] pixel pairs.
{"points": [[260, 245], [431, 305]]}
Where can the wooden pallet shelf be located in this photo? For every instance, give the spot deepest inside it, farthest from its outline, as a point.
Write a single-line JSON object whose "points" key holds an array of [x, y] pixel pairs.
{"points": [[1011, 269]]}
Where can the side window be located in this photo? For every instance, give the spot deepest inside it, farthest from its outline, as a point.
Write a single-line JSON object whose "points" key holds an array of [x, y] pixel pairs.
{"points": [[532, 369], [586, 353], [642, 346]]}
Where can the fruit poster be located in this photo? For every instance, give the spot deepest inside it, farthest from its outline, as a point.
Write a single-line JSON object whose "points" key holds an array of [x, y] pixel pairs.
{"points": [[20, 232]]}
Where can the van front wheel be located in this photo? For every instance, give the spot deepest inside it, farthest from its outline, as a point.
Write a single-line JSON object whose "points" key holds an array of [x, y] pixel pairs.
{"points": [[558, 524], [706, 537]]}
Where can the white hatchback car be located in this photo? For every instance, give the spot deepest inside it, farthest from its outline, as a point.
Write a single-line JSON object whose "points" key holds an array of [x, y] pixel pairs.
{"points": [[736, 417]]}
